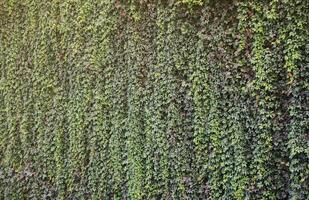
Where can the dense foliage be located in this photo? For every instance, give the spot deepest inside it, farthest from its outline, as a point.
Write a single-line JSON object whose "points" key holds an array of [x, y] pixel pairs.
{"points": [[144, 99]]}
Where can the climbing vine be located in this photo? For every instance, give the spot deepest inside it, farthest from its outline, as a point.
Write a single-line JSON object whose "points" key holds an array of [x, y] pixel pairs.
{"points": [[141, 99]]}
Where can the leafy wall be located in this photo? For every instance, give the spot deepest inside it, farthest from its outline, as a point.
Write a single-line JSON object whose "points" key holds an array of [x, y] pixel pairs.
{"points": [[148, 99]]}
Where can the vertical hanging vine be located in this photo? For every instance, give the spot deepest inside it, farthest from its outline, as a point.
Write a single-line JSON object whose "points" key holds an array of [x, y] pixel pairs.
{"points": [[295, 36]]}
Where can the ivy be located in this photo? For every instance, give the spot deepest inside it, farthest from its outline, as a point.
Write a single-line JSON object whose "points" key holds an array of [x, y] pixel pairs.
{"points": [[186, 99]]}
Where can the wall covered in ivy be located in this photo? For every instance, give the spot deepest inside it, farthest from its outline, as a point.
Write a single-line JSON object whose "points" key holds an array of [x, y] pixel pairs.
{"points": [[146, 99]]}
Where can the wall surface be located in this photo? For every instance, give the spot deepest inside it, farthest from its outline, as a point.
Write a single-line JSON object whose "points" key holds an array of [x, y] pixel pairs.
{"points": [[149, 99]]}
